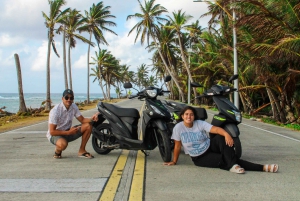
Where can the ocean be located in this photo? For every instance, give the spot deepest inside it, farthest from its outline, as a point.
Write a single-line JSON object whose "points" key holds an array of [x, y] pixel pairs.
{"points": [[34, 100]]}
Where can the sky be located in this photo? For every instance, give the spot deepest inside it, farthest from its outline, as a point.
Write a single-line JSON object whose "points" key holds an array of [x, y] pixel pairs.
{"points": [[23, 32]]}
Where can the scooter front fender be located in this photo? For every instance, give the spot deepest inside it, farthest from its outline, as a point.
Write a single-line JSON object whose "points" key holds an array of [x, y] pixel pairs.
{"points": [[160, 124], [232, 129]]}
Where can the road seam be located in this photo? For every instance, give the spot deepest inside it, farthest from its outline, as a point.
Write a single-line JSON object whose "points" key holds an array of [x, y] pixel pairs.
{"points": [[111, 187], [137, 184]]}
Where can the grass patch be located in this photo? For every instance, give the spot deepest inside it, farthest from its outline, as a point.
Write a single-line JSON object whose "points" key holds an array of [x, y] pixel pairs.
{"points": [[276, 123]]}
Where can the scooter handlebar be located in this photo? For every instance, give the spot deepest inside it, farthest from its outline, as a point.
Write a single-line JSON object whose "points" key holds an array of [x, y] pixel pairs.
{"points": [[133, 96]]}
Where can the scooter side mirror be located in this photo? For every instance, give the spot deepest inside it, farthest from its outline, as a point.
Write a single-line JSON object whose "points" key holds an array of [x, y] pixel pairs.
{"points": [[167, 78], [127, 85], [234, 77], [195, 84]]}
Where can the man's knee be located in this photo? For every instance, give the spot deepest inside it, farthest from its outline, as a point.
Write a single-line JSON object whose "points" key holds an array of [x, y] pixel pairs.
{"points": [[62, 143], [86, 128]]}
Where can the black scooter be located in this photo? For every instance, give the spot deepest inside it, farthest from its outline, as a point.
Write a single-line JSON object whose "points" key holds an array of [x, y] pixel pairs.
{"points": [[121, 131], [229, 116], [175, 109]]}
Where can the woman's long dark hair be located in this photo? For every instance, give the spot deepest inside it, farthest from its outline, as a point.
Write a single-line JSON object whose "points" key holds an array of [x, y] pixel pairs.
{"points": [[185, 109]]}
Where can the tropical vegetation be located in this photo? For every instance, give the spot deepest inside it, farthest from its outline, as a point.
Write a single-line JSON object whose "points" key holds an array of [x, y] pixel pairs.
{"points": [[268, 35]]}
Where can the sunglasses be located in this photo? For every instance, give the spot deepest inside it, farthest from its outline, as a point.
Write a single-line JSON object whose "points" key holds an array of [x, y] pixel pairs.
{"points": [[69, 97]]}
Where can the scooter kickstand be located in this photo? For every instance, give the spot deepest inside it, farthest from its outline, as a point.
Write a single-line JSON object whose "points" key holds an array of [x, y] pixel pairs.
{"points": [[145, 152]]}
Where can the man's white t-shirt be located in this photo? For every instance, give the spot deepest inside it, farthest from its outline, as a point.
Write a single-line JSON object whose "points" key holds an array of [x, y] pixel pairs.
{"points": [[195, 140], [62, 118]]}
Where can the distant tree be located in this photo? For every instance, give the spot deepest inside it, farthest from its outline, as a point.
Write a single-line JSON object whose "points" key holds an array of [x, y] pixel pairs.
{"points": [[54, 17], [73, 21], [147, 28], [95, 23], [22, 105]]}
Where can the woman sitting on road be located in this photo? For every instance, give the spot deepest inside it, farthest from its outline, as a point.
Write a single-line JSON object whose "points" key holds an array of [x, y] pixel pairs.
{"points": [[205, 152]]}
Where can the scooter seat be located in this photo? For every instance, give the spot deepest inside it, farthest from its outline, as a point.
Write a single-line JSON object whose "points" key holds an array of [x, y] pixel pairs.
{"points": [[122, 112]]}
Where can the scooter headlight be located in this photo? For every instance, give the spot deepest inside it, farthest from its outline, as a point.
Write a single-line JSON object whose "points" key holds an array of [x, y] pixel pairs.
{"points": [[238, 115], [152, 93]]}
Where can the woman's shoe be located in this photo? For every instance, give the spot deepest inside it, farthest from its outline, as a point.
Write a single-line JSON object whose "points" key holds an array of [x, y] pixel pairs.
{"points": [[237, 169], [271, 168]]}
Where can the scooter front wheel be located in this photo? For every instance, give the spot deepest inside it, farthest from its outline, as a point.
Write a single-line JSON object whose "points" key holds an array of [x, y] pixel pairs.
{"points": [[237, 147], [163, 143], [105, 130]]}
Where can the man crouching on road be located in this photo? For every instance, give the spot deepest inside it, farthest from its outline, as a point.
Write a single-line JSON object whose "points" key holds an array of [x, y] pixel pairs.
{"points": [[60, 132]]}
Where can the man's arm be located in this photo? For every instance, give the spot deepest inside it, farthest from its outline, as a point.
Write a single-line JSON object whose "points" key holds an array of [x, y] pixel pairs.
{"points": [[82, 120], [55, 132]]}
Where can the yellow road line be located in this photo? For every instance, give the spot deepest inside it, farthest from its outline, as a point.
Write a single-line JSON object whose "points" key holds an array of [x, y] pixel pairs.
{"points": [[114, 180]]}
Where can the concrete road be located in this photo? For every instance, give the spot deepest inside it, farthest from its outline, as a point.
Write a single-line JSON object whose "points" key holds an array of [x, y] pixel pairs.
{"points": [[28, 171]]}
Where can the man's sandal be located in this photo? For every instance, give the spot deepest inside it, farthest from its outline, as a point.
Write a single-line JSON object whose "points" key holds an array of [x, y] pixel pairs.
{"points": [[271, 168], [57, 155], [237, 169]]}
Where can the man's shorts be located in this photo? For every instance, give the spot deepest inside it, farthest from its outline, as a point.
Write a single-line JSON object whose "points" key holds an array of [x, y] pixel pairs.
{"points": [[69, 138]]}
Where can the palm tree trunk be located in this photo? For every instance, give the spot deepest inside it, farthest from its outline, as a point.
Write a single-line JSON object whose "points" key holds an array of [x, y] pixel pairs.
{"points": [[22, 106], [174, 77], [168, 69], [88, 71], [287, 113], [186, 65], [70, 68], [273, 102], [65, 59], [100, 84], [48, 99]]}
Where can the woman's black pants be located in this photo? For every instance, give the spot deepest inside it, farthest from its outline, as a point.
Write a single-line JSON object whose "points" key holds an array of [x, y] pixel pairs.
{"points": [[220, 155]]}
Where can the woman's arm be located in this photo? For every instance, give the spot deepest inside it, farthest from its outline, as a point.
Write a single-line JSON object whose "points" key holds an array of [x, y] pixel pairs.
{"points": [[177, 149], [221, 131]]}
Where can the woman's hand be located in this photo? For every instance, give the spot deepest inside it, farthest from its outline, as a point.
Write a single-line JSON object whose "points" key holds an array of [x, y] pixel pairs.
{"points": [[170, 163], [228, 140]]}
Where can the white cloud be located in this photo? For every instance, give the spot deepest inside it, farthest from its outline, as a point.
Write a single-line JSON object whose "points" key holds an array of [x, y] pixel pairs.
{"points": [[7, 40], [81, 62], [40, 59]]}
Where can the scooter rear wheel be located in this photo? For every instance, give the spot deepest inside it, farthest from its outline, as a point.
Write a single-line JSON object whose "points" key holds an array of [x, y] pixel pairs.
{"points": [[105, 130], [164, 145]]}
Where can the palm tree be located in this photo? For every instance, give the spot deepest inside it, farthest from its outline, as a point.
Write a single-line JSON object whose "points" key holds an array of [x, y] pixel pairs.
{"points": [[177, 23], [142, 76], [63, 30], [54, 17], [152, 81], [95, 23], [111, 74], [168, 48], [147, 27], [72, 22], [107, 70]]}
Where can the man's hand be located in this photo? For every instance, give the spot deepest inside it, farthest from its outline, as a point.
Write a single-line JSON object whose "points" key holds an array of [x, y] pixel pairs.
{"points": [[74, 130], [95, 117]]}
